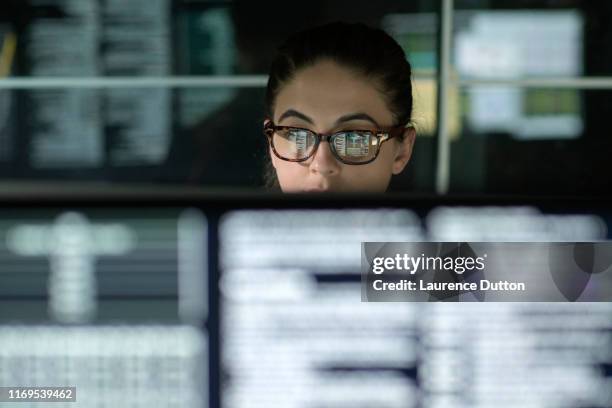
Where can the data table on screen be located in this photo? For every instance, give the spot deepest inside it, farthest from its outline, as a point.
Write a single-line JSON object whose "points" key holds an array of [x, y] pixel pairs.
{"points": [[295, 333]]}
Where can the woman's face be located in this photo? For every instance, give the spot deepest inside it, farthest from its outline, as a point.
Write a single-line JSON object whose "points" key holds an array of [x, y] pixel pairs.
{"points": [[328, 98]]}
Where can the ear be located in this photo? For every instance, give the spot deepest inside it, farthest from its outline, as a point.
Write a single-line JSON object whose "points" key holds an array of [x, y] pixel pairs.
{"points": [[404, 151]]}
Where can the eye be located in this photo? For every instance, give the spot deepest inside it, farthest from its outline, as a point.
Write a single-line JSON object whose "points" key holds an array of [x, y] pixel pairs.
{"points": [[353, 143], [301, 138], [358, 137]]}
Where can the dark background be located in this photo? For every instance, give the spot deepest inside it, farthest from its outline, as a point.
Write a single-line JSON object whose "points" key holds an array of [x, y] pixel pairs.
{"points": [[211, 136]]}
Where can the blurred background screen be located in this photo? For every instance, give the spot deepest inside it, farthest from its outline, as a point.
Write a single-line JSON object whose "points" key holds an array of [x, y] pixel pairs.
{"points": [[228, 304], [171, 92], [109, 300]]}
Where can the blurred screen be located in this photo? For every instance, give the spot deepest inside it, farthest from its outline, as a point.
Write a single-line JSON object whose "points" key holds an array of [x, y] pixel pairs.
{"points": [[295, 332], [155, 91], [248, 303], [172, 92], [110, 301]]}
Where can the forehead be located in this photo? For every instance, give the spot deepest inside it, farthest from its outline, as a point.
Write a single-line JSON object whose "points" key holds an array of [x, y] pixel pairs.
{"points": [[325, 91]]}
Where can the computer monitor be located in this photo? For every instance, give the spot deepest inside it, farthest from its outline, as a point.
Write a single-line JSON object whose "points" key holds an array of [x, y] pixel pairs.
{"points": [[251, 301], [294, 331], [108, 300]]}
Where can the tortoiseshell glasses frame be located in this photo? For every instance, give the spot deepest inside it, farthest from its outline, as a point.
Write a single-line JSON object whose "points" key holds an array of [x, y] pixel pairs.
{"points": [[381, 135]]}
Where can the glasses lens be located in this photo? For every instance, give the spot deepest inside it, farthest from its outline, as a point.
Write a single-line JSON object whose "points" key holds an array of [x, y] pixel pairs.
{"points": [[355, 146], [294, 143]]}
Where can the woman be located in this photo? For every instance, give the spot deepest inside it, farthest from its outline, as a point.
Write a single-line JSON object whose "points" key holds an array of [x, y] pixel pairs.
{"points": [[339, 102]]}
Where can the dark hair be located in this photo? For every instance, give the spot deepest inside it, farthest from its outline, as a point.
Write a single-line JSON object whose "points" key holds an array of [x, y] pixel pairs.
{"points": [[366, 50]]}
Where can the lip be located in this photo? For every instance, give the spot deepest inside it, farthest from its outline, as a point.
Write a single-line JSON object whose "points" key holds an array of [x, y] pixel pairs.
{"points": [[316, 190]]}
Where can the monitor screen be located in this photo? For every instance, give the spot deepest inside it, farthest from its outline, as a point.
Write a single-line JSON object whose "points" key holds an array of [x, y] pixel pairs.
{"points": [[256, 301], [295, 332], [109, 301]]}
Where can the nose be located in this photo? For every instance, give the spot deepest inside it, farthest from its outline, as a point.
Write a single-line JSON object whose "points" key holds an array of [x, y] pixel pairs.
{"points": [[324, 162]]}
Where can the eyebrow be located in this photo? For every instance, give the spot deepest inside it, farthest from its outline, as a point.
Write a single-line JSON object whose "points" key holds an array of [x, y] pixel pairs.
{"points": [[357, 116], [293, 113], [346, 118]]}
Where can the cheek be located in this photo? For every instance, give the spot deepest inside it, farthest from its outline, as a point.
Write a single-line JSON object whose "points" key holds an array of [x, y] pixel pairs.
{"points": [[290, 175], [373, 177], [380, 168], [376, 175], [386, 155]]}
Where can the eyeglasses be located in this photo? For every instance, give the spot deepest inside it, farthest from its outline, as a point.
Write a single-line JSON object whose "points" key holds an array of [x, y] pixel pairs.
{"points": [[348, 146]]}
